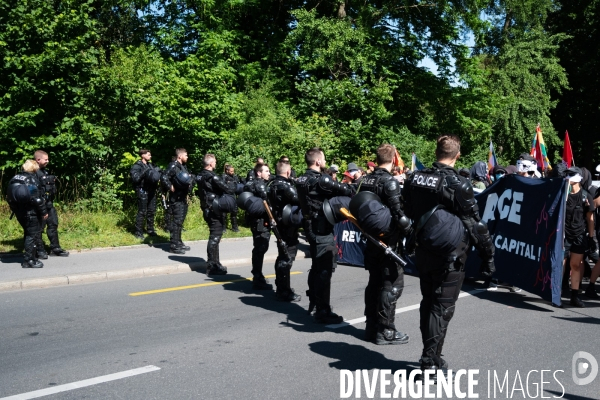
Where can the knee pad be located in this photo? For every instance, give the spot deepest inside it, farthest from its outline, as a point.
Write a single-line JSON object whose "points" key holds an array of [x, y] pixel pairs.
{"points": [[214, 240], [448, 313], [325, 276]]}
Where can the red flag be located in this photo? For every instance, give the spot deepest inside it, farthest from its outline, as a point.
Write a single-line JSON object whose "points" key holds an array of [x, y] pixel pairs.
{"points": [[567, 155]]}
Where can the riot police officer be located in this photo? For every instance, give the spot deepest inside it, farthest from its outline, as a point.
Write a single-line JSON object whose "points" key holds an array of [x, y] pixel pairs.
{"points": [[230, 179], [177, 181], [210, 187], [313, 188], [145, 176], [26, 201], [386, 277], [282, 193], [261, 231], [251, 175], [442, 205], [48, 187]]}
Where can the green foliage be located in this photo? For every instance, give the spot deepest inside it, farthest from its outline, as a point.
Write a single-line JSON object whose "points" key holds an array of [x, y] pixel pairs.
{"points": [[93, 81]]}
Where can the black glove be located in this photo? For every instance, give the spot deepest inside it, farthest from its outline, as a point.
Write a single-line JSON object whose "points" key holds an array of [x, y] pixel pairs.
{"points": [[487, 268], [592, 244]]}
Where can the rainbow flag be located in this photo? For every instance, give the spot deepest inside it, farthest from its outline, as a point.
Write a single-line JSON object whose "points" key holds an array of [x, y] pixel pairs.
{"points": [[416, 164], [538, 138], [492, 160]]}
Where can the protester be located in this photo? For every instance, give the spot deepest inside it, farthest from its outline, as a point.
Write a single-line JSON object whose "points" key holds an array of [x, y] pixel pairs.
{"points": [[479, 175], [578, 219], [333, 171], [498, 172], [527, 166], [370, 167], [398, 175]]}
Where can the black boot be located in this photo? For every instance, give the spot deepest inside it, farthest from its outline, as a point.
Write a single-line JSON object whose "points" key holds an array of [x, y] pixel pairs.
{"points": [[57, 251], [575, 300], [42, 254], [234, 223], [390, 336], [370, 331], [261, 283], [32, 264], [326, 316]]}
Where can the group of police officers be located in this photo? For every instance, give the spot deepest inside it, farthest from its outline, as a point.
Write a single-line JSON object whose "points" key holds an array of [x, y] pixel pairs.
{"points": [[435, 216], [30, 196]]}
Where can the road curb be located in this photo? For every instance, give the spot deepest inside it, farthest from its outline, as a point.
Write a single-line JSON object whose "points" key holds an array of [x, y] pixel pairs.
{"points": [[129, 247], [106, 276]]}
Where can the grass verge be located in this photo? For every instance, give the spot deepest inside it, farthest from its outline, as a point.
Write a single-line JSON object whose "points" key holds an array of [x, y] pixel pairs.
{"points": [[79, 230]]}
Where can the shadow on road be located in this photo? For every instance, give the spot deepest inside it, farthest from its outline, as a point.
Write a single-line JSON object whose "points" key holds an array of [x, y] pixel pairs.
{"points": [[196, 264], [297, 316], [353, 357]]}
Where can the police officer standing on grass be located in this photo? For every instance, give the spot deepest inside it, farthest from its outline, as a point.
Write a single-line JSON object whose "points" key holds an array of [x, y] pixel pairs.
{"points": [[261, 231], [313, 188], [444, 210], [48, 187], [231, 179], [282, 193], [177, 180], [145, 176], [210, 187], [386, 277], [26, 201]]}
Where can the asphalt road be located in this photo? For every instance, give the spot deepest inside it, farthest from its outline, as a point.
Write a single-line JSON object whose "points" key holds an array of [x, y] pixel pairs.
{"points": [[226, 341]]}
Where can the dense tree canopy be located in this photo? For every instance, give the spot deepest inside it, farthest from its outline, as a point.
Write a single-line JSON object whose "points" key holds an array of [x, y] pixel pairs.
{"points": [[92, 81]]}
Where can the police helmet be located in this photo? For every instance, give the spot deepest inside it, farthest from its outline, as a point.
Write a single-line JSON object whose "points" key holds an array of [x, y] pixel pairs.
{"points": [[182, 180], [361, 198]]}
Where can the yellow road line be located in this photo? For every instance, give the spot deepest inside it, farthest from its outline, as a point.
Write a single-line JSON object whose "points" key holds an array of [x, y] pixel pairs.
{"points": [[173, 289]]}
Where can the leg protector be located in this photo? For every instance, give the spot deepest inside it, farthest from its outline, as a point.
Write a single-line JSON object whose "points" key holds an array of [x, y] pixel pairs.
{"points": [[440, 292], [261, 245], [142, 198], [177, 225], [212, 249], [151, 212], [52, 230]]}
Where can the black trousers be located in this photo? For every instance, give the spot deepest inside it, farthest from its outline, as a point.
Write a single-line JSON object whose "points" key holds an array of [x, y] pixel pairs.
{"points": [[440, 279], [146, 210], [178, 213], [51, 225], [323, 253], [31, 224], [215, 228], [260, 240], [283, 264], [385, 286]]}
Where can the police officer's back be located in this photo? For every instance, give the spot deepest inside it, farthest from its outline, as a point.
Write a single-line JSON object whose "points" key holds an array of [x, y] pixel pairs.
{"points": [[447, 221], [313, 188], [386, 277], [26, 201]]}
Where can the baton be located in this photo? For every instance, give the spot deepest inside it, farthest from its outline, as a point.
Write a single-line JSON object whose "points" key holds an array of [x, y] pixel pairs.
{"points": [[389, 252], [280, 243]]}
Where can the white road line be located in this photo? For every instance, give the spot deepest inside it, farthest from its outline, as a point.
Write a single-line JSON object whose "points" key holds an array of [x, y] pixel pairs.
{"points": [[81, 384], [398, 311]]}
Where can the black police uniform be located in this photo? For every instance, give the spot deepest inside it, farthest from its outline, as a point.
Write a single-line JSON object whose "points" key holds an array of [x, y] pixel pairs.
{"points": [[261, 234], [29, 210], [442, 205], [313, 188], [282, 193], [177, 176], [145, 189], [210, 187], [231, 180], [48, 187], [386, 277]]}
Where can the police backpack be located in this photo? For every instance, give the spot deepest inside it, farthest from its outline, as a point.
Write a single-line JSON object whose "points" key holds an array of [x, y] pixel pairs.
{"points": [[20, 192], [153, 176]]}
